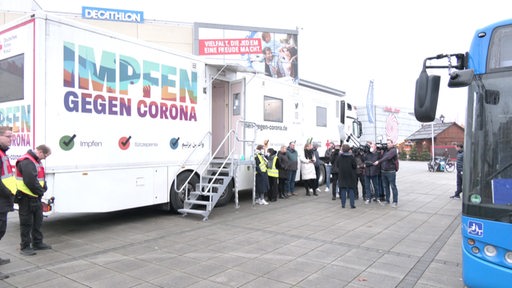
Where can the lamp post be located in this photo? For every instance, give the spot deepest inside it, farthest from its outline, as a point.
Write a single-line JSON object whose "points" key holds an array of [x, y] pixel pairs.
{"points": [[433, 157], [432, 126]]}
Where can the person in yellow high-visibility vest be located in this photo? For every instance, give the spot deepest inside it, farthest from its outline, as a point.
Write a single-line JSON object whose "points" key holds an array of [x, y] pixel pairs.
{"points": [[262, 185], [7, 186], [273, 174], [31, 184]]}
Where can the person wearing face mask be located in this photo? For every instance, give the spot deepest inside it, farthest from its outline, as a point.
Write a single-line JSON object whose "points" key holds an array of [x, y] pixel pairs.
{"points": [[371, 174]]}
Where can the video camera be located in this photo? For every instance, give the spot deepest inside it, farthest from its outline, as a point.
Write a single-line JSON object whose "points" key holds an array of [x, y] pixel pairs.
{"points": [[361, 149], [382, 146]]}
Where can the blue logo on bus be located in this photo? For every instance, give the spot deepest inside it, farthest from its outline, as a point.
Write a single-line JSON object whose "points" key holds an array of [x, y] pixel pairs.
{"points": [[476, 228]]}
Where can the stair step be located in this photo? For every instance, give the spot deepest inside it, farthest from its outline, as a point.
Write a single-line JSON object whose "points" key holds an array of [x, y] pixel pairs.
{"points": [[220, 177], [199, 202], [219, 160], [215, 185], [193, 211], [195, 193], [214, 170]]}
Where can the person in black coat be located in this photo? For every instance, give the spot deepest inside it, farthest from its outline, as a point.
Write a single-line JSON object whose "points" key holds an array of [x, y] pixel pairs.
{"points": [[334, 171], [460, 166], [7, 186], [347, 175], [372, 174], [282, 163]]}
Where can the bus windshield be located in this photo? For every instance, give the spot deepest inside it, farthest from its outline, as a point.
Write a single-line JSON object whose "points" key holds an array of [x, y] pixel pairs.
{"points": [[488, 175]]}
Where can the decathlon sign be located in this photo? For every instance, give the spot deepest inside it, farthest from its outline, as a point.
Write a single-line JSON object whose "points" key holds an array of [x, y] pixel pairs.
{"points": [[107, 14]]}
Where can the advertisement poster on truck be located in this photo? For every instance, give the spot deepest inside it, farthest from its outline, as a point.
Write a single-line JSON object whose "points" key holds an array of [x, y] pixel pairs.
{"points": [[149, 99], [272, 52]]}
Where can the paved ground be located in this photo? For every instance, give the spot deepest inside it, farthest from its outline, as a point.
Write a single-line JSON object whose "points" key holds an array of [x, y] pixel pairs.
{"points": [[297, 242]]}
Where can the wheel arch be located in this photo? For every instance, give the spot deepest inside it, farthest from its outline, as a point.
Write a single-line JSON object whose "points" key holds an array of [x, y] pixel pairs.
{"points": [[176, 198]]}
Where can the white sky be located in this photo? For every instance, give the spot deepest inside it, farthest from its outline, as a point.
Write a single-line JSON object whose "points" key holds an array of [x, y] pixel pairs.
{"points": [[345, 44]]}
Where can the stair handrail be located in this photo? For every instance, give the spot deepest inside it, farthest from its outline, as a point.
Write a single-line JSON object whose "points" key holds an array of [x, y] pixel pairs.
{"points": [[247, 124], [210, 158], [185, 184], [234, 133], [231, 150]]}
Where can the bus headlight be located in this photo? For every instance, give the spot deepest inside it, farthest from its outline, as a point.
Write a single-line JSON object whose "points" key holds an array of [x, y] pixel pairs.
{"points": [[490, 250], [508, 257]]}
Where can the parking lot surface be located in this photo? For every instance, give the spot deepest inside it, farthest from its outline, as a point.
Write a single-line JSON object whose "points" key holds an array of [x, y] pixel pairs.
{"points": [[297, 242]]}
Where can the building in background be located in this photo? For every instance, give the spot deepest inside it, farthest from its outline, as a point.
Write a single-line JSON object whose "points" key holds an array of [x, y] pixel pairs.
{"points": [[388, 122], [445, 136]]}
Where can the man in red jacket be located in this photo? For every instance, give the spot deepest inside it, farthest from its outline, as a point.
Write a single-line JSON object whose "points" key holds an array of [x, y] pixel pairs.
{"points": [[31, 184], [7, 186]]}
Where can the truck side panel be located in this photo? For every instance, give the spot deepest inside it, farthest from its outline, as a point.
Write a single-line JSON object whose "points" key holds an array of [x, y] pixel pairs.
{"points": [[120, 116]]}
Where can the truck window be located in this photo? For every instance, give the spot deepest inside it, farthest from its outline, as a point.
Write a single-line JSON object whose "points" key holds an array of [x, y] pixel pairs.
{"points": [[11, 78], [273, 109], [321, 116]]}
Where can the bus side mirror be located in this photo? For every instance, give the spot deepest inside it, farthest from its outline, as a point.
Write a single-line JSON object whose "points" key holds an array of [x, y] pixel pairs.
{"points": [[427, 93], [462, 78]]}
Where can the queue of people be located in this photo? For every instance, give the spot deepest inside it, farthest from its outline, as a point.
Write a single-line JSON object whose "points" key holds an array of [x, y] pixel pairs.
{"points": [[24, 185], [276, 172], [373, 169]]}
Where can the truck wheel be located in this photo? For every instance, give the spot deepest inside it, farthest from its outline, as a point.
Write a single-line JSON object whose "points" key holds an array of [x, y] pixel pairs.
{"points": [[227, 196], [177, 199]]}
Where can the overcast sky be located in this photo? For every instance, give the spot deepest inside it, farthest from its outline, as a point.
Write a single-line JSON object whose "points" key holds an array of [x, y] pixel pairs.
{"points": [[345, 44]]}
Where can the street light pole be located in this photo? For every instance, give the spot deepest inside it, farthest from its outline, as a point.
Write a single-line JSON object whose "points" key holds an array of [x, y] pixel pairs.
{"points": [[432, 126]]}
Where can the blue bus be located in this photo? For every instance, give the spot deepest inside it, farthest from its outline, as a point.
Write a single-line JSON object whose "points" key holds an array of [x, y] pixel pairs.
{"points": [[486, 71]]}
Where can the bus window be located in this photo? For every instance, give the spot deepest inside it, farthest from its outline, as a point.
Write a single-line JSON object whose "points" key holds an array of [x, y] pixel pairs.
{"points": [[500, 54]]}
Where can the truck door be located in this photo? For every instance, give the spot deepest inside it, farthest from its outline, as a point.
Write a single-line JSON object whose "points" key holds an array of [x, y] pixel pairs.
{"points": [[237, 104], [220, 116], [227, 109]]}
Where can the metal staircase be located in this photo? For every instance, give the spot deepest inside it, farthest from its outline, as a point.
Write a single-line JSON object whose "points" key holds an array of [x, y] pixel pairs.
{"points": [[215, 178], [212, 184]]}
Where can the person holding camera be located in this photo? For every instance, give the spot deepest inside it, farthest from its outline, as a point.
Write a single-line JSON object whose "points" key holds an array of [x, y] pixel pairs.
{"points": [[388, 172], [371, 174], [359, 156]]}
